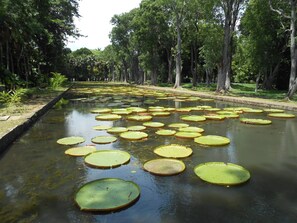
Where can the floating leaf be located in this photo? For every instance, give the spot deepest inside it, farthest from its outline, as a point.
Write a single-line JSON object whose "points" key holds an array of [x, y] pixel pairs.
{"points": [[153, 124], [136, 128], [137, 109], [133, 135], [165, 132], [250, 110], [281, 115], [117, 130], [107, 158], [101, 127], [107, 194], [193, 118], [72, 140], [160, 113], [164, 167], [173, 151], [101, 110], [273, 110], [121, 111], [183, 109], [255, 121], [222, 173], [108, 117], [178, 125], [212, 140], [141, 118], [214, 117], [187, 135], [80, 151], [191, 129], [104, 139]]}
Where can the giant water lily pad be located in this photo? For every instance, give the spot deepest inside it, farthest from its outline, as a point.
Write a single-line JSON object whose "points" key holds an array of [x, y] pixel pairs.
{"points": [[72, 140], [80, 151], [108, 117], [164, 113], [214, 117], [140, 118], [222, 173], [165, 132], [121, 111], [212, 140], [187, 135], [136, 128], [165, 167], [101, 110], [193, 118], [273, 110], [191, 129], [173, 151], [101, 127], [281, 115], [117, 130], [250, 110], [107, 158], [178, 125], [107, 194], [104, 139], [255, 121], [134, 135], [153, 124]]}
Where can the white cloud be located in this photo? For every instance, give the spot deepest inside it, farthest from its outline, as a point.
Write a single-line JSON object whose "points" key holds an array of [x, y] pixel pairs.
{"points": [[95, 21]]}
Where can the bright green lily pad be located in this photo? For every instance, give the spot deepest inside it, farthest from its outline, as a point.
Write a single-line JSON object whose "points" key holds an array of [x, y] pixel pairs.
{"points": [[165, 132], [193, 118], [141, 118], [183, 109], [107, 194], [187, 135], [101, 110], [137, 109], [173, 151], [117, 130], [72, 140], [134, 135], [153, 124], [212, 140], [136, 128], [107, 158], [191, 129], [215, 117], [178, 125], [222, 173], [250, 110], [160, 113], [104, 139], [108, 117], [121, 111], [80, 151], [274, 110], [255, 121], [281, 115], [101, 127], [164, 167]]}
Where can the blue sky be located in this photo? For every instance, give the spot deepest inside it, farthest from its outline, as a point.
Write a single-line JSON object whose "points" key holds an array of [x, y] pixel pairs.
{"points": [[95, 21]]}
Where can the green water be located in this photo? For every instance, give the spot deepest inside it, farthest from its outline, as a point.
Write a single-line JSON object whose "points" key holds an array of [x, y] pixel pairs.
{"points": [[38, 182]]}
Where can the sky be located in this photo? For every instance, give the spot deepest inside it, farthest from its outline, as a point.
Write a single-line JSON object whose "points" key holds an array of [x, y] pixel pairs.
{"points": [[95, 21]]}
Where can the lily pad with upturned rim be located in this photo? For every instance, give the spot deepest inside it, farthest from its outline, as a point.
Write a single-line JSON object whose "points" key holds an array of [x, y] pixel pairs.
{"points": [[134, 135], [141, 118], [101, 127], [107, 158], [255, 121], [164, 167], [193, 118], [72, 140], [101, 110], [281, 115], [108, 117], [274, 110], [187, 135], [173, 151], [107, 194], [104, 139], [136, 128], [80, 151], [165, 132], [222, 173], [191, 129], [153, 124], [164, 113], [212, 140], [117, 130]]}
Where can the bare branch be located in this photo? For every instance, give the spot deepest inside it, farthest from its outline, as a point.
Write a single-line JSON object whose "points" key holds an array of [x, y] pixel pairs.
{"points": [[279, 11]]}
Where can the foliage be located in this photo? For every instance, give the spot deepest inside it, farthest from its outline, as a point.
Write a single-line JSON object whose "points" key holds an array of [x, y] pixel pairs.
{"points": [[57, 80], [14, 96]]}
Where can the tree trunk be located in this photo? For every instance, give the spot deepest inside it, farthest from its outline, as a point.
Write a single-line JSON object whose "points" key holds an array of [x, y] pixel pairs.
{"points": [[193, 64], [169, 59], [178, 61], [293, 43]]}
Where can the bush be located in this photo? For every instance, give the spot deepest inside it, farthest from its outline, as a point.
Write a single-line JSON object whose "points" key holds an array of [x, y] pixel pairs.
{"points": [[57, 80], [13, 96]]}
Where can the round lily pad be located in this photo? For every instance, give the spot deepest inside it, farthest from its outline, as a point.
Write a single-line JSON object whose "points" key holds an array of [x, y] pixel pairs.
{"points": [[101, 127], [141, 118], [101, 110], [215, 117], [193, 118], [108, 117], [273, 110], [137, 109], [117, 130], [164, 167], [107, 158], [164, 113], [212, 140], [281, 115], [191, 129], [165, 132], [222, 173], [121, 111], [104, 139], [72, 140], [183, 109], [173, 151], [255, 121], [107, 194], [250, 110], [153, 124], [80, 151], [178, 125], [134, 135], [187, 135], [136, 128]]}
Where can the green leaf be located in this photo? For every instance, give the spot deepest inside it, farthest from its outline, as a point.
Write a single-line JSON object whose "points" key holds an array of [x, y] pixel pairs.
{"points": [[104, 139], [173, 151], [164, 167], [80, 151], [134, 135], [72, 140], [212, 140]]}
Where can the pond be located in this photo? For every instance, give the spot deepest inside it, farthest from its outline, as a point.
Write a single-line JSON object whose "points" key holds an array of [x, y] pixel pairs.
{"points": [[38, 182]]}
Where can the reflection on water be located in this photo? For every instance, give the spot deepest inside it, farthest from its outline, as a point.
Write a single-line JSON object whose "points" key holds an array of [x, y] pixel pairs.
{"points": [[38, 182]]}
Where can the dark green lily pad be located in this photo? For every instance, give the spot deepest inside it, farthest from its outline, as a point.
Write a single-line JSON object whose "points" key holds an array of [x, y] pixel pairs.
{"points": [[222, 173], [212, 140], [173, 151], [104, 139], [165, 167], [107, 158], [107, 194], [72, 140]]}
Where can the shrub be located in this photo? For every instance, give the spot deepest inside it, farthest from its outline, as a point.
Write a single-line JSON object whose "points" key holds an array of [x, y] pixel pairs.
{"points": [[57, 80]]}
